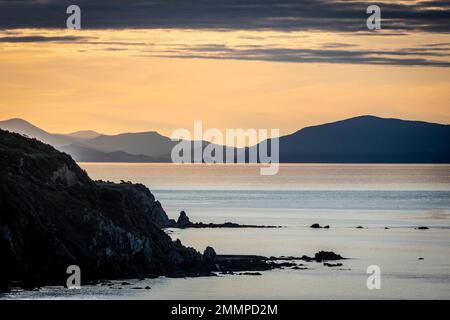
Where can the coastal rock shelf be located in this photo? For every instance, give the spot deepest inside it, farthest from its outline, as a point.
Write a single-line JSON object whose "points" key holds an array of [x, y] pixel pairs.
{"points": [[184, 222]]}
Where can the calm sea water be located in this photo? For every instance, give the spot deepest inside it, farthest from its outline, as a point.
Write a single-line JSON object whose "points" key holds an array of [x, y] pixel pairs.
{"points": [[399, 197]]}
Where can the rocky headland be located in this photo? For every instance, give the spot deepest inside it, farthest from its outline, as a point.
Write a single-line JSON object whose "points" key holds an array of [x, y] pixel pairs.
{"points": [[53, 215]]}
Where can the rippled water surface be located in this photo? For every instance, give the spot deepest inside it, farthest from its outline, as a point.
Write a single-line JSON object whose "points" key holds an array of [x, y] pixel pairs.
{"points": [[399, 197]]}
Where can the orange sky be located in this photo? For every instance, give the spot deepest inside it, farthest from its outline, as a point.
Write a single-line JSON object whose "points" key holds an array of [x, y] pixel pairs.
{"points": [[112, 89]]}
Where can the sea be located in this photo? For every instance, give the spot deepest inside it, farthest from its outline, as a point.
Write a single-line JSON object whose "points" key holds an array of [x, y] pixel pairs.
{"points": [[389, 201]]}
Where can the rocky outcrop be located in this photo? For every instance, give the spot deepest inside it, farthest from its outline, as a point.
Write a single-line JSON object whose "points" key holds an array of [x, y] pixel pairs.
{"points": [[143, 199], [233, 263], [53, 215], [318, 257], [332, 264], [209, 254], [318, 226], [184, 222], [327, 255]]}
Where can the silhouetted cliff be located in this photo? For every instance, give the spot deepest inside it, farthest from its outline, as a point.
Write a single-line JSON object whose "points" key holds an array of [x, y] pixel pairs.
{"points": [[53, 215]]}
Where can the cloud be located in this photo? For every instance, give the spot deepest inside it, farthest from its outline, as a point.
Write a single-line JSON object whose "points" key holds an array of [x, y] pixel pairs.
{"points": [[288, 50], [333, 45], [275, 30], [400, 58], [441, 44], [325, 15], [42, 39]]}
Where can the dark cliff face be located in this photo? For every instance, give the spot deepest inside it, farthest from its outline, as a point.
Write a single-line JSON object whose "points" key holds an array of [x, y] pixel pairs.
{"points": [[53, 215]]}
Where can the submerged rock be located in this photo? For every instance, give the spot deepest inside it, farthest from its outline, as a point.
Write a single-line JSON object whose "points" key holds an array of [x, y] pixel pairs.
{"points": [[227, 272], [250, 273], [299, 268], [286, 264], [235, 263], [332, 264], [290, 258]]}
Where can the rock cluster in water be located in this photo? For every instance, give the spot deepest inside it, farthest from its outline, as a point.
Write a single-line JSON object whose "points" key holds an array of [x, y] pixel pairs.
{"points": [[321, 256]]}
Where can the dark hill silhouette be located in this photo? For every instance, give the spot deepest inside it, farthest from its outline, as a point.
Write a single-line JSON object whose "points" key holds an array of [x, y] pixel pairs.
{"points": [[369, 139]]}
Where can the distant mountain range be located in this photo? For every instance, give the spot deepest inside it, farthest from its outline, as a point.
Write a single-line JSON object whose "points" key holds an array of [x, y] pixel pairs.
{"points": [[91, 146], [364, 139]]}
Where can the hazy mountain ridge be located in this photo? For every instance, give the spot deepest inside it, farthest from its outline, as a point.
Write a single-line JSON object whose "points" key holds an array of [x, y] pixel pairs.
{"points": [[363, 139], [84, 134], [25, 128], [149, 144], [85, 154], [91, 146]]}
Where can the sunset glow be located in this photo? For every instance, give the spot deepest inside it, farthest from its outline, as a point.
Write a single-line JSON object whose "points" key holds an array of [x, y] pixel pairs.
{"points": [[161, 79]]}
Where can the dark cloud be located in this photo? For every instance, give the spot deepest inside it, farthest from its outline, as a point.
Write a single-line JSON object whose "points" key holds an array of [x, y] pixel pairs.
{"points": [[402, 57], [441, 44], [399, 18], [331, 15], [332, 52], [42, 39]]}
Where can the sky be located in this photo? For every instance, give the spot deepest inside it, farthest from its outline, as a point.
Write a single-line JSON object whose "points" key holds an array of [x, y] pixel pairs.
{"points": [[264, 64]]}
